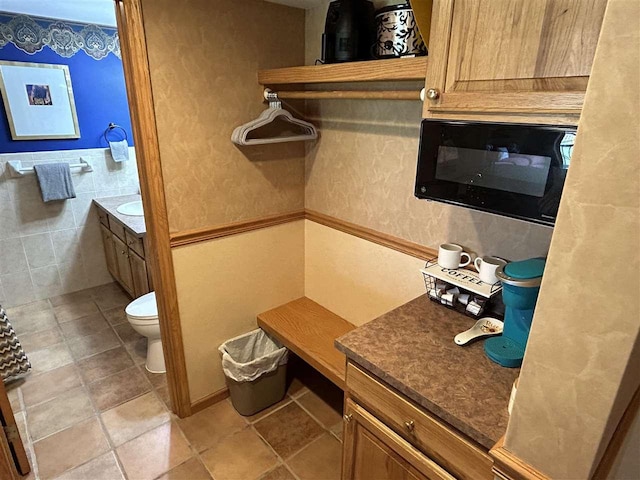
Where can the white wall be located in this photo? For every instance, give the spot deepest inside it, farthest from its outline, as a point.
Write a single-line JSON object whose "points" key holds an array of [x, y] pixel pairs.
{"points": [[355, 278], [55, 248], [99, 12], [224, 284]]}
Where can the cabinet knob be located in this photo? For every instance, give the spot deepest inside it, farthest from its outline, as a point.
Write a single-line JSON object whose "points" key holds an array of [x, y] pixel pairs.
{"points": [[123, 252], [433, 94], [348, 417], [410, 426]]}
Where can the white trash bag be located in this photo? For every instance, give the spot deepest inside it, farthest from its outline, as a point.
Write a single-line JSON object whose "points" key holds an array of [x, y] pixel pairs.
{"points": [[249, 356]]}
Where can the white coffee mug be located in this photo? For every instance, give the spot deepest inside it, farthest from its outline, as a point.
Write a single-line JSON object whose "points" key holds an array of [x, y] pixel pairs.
{"points": [[486, 267], [450, 256]]}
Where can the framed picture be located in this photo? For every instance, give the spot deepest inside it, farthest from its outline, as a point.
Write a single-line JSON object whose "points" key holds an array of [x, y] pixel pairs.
{"points": [[38, 100]]}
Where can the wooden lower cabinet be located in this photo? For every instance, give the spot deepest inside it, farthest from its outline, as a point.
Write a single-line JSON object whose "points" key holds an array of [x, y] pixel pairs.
{"points": [[388, 437], [125, 260], [124, 267], [109, 251], [374, 451], [138, 274]]}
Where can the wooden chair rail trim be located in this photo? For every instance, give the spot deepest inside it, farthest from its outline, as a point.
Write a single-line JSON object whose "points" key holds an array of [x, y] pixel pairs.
{"points": [[384, 239], [508, 466], [189, 237]]}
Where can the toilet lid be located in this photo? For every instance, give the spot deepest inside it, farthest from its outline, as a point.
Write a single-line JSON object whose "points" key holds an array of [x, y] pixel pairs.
{"points": [[144, 307]]}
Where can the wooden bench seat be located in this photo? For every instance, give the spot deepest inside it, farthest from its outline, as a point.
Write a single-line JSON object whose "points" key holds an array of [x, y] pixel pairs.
{"points": [[309, 330]]}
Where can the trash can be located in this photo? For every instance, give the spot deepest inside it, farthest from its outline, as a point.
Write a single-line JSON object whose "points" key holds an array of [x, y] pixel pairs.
{"points": [[255, 366]]}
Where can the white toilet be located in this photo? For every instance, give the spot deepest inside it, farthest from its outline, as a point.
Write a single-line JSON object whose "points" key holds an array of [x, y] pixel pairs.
{"points": [[142, 314]]}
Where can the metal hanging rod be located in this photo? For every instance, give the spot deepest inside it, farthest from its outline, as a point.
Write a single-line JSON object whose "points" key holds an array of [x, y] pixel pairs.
{"points": [[351, 94], [16, 170]]}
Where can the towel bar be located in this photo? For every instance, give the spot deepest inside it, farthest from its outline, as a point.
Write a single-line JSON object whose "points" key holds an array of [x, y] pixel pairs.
{"points": [[16, 170]]}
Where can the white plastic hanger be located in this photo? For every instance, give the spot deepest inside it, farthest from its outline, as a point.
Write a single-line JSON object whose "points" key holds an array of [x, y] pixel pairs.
{"points": [[274, 112]]}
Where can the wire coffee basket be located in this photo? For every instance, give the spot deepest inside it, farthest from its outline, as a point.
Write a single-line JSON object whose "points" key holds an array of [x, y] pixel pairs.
{"points": [[459, 289]]}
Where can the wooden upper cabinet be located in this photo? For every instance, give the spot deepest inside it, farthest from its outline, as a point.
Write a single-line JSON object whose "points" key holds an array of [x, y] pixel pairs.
{"points": [[513, 58]]}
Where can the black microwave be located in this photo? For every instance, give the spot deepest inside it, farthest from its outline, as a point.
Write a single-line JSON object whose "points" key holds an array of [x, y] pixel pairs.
{"points": [[516, 170]]}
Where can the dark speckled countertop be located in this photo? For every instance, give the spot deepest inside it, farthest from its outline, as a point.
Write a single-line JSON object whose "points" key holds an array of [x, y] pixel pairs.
{"points": [[411, 349], [110, 204]]}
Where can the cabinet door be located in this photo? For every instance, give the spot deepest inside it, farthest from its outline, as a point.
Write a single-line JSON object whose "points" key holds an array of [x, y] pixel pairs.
{"points": [[110, 251], [373, 450], [518, 57], [124, 268], [138, 274]]}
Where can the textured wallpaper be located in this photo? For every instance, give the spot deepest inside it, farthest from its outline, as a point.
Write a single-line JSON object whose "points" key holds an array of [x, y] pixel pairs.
{"points": [[581, 365], [204, 57], [362, 169]]}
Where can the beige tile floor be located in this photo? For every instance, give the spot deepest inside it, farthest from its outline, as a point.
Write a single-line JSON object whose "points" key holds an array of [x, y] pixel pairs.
{"points": [[90, 411]]}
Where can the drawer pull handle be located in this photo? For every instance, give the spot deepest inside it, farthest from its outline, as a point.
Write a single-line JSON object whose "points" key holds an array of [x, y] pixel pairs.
{"points": [[348, 417], [410, 426]]}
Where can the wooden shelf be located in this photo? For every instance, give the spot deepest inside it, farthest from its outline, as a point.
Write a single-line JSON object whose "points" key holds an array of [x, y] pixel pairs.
{"points": [[371, 71], [309, 330]]}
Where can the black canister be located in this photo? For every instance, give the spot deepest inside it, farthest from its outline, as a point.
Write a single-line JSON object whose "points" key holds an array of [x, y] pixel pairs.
{"points": [[349, 31]]}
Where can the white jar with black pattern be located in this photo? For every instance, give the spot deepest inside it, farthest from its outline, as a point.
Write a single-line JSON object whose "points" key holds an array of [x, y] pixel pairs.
{"points": [[397, 33]]}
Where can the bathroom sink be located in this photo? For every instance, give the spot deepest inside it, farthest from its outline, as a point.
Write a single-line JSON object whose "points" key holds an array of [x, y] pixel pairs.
{"points": [[133, 209]]}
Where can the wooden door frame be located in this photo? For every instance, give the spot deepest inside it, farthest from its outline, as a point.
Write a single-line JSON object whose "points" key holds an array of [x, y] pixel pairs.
{"points": [[13, 457], [139, 91]]}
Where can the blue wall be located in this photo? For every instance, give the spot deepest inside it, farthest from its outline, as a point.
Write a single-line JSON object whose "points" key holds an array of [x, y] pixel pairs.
{"points": [[99, 92]]}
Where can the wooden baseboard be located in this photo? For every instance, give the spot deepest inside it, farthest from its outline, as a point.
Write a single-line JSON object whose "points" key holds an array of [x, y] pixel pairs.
{"points": [[209, 400], [204, 234], [507, 466], [384, 239]]}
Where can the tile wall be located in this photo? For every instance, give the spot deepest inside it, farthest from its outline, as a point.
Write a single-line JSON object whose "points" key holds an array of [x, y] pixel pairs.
{"points": [[55, 248]]}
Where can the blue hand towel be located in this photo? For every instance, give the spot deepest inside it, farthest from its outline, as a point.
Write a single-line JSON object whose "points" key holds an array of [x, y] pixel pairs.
{"points": [[119, 150], [55, 181]]}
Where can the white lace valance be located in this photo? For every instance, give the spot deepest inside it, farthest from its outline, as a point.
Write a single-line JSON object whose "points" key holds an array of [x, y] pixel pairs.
{"points": [[32, 36]]}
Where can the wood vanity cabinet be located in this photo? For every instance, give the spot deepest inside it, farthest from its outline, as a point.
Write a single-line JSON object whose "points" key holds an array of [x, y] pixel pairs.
{"points": [[139, 275], [388, 437], [109, 251], [524, 60], [124, 252]]}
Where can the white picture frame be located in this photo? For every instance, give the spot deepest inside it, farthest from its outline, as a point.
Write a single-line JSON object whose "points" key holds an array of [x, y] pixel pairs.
{"points": [[38, 100]]}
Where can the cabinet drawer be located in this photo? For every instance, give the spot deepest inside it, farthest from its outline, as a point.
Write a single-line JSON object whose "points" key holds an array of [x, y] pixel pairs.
{"points": [[134, 243], [372, 450], [117, 228], [103, 217], [455, 453]]}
